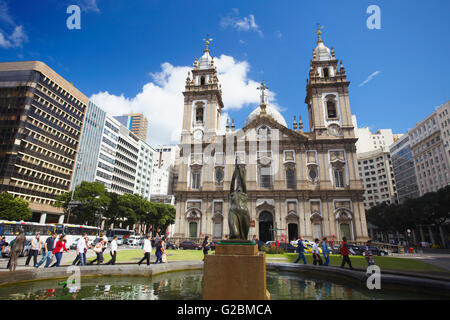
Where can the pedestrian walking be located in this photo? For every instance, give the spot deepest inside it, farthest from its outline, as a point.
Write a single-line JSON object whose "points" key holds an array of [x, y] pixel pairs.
{"points": [[316, 253], [159, 252], [113, 251], [345, 253], [147, 247], [325, 252], [3, 245], [368, 253], [205, 246], [47, 254], [81, 250], [60, 247], [34, 250], [98, 249], [17, 246], [105, 241], [301, 251]]}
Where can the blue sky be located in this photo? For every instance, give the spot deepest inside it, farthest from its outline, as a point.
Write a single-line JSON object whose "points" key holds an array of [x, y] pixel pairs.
{"points": [[122, 45]]}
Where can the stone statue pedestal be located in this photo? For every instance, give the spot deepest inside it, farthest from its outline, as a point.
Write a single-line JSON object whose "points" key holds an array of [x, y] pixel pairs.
{"points": [[237, 271]]}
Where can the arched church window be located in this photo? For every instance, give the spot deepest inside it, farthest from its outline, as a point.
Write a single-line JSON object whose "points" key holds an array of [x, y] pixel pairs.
{"points": [[196, 179], [325, 73], [331, 109], [202, 81]]}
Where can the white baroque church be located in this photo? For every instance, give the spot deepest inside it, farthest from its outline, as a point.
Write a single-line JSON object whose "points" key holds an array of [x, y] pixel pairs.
{"points": [[298, 183]]}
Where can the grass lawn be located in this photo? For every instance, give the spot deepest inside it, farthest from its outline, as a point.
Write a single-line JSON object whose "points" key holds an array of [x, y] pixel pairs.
{"points": [[386, 263]]}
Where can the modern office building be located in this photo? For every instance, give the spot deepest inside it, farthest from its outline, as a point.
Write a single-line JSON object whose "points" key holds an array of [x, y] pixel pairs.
{"points": [[404, 169], [107, 155], [429, 154], [368, 141], [375, 170], [136, 123], [166, 159], [144, 172], [91, 141], [160, 182], [41, 118], [125, 165]]}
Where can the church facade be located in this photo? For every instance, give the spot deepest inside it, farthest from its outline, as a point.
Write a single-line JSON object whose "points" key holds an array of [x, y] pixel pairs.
{"points": [[298, 183]]}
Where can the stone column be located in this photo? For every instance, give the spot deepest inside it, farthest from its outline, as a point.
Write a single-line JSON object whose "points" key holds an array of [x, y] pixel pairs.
{"points": [[43, 217], [226, 229], [61, 219]]}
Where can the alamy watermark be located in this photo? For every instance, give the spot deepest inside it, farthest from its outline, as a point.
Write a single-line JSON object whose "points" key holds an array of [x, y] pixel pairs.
{"points": [[74, 20], [374, 20], [374, 279]]}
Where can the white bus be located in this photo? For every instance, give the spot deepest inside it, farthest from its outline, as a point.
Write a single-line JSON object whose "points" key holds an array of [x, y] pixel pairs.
{"points": [[74, 231], [120, 233], [10, 229]]}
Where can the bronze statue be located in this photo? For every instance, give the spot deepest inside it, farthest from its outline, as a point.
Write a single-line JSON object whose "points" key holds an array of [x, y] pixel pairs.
{"points": [[16, 250], [238, 216]]}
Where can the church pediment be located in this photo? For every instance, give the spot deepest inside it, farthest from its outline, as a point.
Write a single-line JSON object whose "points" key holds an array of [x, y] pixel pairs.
{"points": [[267, 120]]}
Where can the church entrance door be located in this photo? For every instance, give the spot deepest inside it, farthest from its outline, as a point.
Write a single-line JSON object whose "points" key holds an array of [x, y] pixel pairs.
{"points": [[265, 226], [292, 231]]}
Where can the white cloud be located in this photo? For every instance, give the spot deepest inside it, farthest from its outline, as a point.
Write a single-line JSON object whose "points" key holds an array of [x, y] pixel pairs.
{"points": [[162, 101], [88, 5], [242, 24], [17, 37], [369, 78], [278, 34]]}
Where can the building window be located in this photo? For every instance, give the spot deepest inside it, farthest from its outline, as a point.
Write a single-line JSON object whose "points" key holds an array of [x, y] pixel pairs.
{"points": [[290, 178], [339, 178], [331, 109], [266, 177], [202, 81], [325, 72], [195, 180]]}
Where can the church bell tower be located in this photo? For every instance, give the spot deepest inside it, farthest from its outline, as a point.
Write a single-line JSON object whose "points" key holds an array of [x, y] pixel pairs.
{"points": [[202, 100], [327, 94]]}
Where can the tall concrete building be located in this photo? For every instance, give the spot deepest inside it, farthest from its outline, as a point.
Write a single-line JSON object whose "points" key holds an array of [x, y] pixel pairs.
{"points": [[375, 170], [429, 153], [41, 119], [144, 170], [443, 118], [404, 169], [89, 151], [166, 159], [136, 123], [368, 141], [300, 183]]}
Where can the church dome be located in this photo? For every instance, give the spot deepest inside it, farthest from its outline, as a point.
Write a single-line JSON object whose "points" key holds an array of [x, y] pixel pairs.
{"points": [[322, 51], [271, 111], [205, 61]]}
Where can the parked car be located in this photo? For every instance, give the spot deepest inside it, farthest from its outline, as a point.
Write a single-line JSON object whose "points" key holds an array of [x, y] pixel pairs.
{"points": [[190, 245], [375, 251], [212, 245], [287, 247], [170, 245], [132, 240], [73, 246], [308, 247]]}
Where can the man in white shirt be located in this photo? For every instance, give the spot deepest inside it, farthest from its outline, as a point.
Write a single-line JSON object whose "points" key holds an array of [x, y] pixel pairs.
{"points": [[316, 253], [147, 249], [113, 251], [81, 249]]}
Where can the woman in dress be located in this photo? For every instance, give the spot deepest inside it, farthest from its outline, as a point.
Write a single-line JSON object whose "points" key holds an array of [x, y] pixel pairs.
{"points": [[159, 252]]}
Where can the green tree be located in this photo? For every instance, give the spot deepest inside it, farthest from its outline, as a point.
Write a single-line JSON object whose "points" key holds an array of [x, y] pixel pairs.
{"points": [[93, 201], [12, 208]]}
